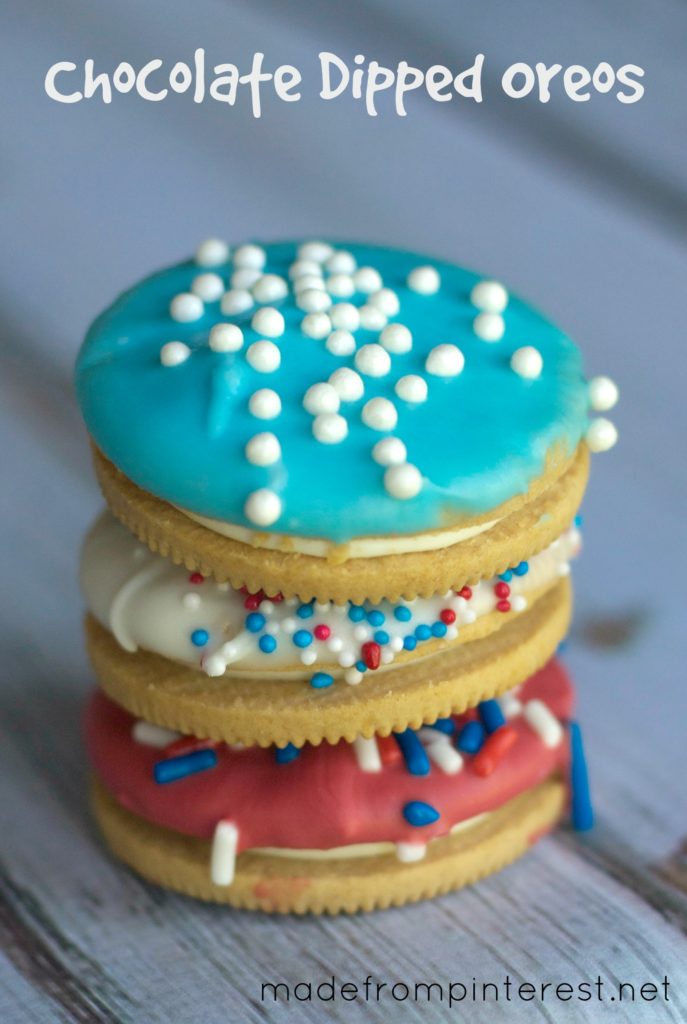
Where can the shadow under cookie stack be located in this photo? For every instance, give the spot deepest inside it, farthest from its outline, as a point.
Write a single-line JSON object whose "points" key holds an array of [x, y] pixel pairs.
{"points": [[325, 601]]}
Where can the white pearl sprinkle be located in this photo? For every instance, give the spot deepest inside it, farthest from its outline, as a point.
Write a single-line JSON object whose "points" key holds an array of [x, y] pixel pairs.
{"points": [[263, 449], [245, 277], [329, 428], [214, 665], [316, 325], [268, 321], [335, 644], [318, 252], [603, 393], [387, 656], [396, 644], [386, 300], [601, 435], [250, 256], [490, 296], [174, 353], [367, 280], [340, 285], [373, 360], [380, 414], [308, 657], [313, 300], [424, 280], [403, 481], [412, 388], [270, 288], [289, 625], [527, 362], [238, 300], [185, 308], [308, 283], [445, 361], [225, 338], [263, 356], [353, 677], [345, 315], [489, 326], [264, 404], [348, 384], [212, 252], [340, 343], [347, 658], [263, 507], [321, 398], [371, 318], [362, 633], [208, 287], [396, 338], [304, 268], [191, 601], [390, 451], [518, 602], [341, 262]]}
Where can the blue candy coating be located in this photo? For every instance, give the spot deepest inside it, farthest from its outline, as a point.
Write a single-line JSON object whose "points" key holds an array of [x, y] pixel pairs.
{"points": [[470, 737], [446, 725], [522, 569], [423, 632], [199, 637], [361, 666], [255, 622], [491, 714], [409, 643], [439, 629], [284, 755], [302, 638], [356, 613], [582, 809], [506, 576], [175, 768], [320, 680], [418, 813], [304, 611], [402, 613], [414, 753], [381, 637], [376, 618], [267, 644]]}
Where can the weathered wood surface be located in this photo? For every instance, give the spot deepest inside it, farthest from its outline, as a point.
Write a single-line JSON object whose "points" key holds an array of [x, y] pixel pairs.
{"points": [[582, 207]]}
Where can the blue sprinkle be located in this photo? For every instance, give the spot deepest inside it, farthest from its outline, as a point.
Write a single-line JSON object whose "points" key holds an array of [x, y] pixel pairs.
{"points": [[582, 810], [562, 647], [376, 618], [304, 611], [361, 666], [409, 643], [254, 622], [284, 755], [578, 520], [506, 576], [471, 737], [321, 679], [446, 725], [439, 629], [522, 569], [356, 613], [199, 637], [491, 714], [402, 613], [381, 636], [413, 752], [175, 768], [423, 632], [267, 644], [302, 638], [418, 813]]}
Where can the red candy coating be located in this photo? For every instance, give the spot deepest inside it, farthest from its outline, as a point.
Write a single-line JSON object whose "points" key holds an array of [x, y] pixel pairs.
{"points": [[502, 589], [465, 592], [372, 654], [448, 616], [322, 632], [503, 606], [495, 747], [196, 577]]}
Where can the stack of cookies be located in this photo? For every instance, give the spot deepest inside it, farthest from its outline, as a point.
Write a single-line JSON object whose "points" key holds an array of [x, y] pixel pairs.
{"points": [[326, 597]]}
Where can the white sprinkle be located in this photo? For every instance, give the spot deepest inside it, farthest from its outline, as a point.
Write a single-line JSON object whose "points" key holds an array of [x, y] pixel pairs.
{"points": [[371, 318], [367, 754], [340, 285], [305, 268], [367, 280], [208, 287], [231, 651], [223, 858], [237, 300], [191, 601], [409, 853], [340, 343], [347, 383], [361, 633], [424, 280], [510, 705], [225, 338], [564, 569], [386, 300], [316, 325], [313, 300], [346, 316], [149, 735], [518, 602], [174, 353], [373, 360], [250, 256], [263, 507], [446, 756], [245, 277], [267, 607], [263, 449], [412, 388], [308, 657], [489, 296], [540, 718], [527, 362], [264, 356], [451, 632], [390, 451], [321, 398], [335, 645], [404, 481], [387, 656], [445, 361], [270, 288], [214, 665], [347, 658], [268, 321], [380, 414], [352, 676], [212, 252], [308, 281], [603, 394], [185, 308], [341, 262], [329, 428], [601, 435], [489, 326], [396, 338], [289, 626], [318, 252], [265, 404]]}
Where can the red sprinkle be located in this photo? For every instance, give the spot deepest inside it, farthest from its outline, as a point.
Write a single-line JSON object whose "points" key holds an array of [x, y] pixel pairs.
{"points": [[322, 632], [502, 589], [389, 750], [503, 606], [187, 744], [196, 577], [372, 653], [495, 747], [447, 615], [276, 599], [465, 592]]}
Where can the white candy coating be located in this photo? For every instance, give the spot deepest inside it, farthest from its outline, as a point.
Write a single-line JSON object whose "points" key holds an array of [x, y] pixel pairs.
{"points": [[527, 362], [308, 282], [489, 296], [348, 384], [250, 256], [318, 252], [371, 318], [390, 451], [174, 353], [225, 338], [263, 507], [403, 481], [185, 308], [445, 361], [396, 338], [313, 300], [367, 280], [237, 300], [373, 360], [264, 404], [341, 262], [329, 428], [340, 343], [424, 280], [304, 268], [345, 315], [386, 300], [245, 277], [212, 252], [268, 321], [208, 287], [316, 325], [380, 414], [270, 288], [412, 388], [263, 449], [603, 393], [321, 398], [489, 326], [264, 356], [601, 435], [340, 285]]}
